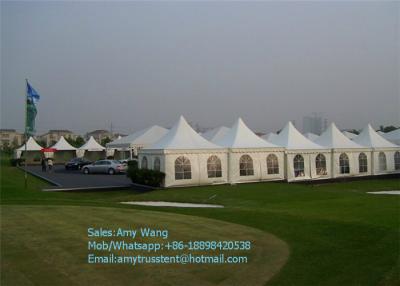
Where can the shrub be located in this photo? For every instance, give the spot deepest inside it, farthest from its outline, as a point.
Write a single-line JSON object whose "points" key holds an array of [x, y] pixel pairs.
{"points": [[133, 163], [16, 162], [145, 177]]}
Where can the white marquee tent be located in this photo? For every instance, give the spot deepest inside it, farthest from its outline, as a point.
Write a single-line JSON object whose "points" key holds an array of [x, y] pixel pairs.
{"points": [[311, 136], [250, 157], [302, 155], [349, 135], [386, 155], [215, 134], [185, 157], [64, 151], [129, 145], [393, 136], [91, 150], [33, 151], [269, 136], [347, 158]]}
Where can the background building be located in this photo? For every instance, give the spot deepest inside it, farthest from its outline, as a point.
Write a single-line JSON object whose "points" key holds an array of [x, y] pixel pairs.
{"points": [[10, 138], [52, 137], [314, 124]]}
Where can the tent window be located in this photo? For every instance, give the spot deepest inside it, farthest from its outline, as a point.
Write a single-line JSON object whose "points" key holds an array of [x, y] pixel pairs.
{"points": [[272, 164], [397, 160], [298, 164], [344, 164], [144, 163], [382, 161], [214, 168], [246, 166], [320, 165], [362, 163], [157, 164], [183, 170]]}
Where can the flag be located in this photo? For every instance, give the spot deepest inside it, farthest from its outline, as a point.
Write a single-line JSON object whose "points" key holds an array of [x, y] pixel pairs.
{"points": [[32, 97]]}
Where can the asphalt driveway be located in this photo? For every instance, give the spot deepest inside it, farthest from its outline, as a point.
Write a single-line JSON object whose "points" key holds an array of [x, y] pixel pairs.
{"points": [[63, 180]]}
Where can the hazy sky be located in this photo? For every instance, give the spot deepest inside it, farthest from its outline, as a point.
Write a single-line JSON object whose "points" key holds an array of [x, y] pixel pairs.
{"points": [[136, 64]]}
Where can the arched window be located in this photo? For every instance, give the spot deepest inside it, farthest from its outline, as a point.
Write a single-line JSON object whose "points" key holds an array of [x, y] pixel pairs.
{"points": [[362, 163], [144, 163], [246, 166], [214, 168], [320, 164], [272, 164], [156, 165], [183, 170], [344, 164], [397, 160], [298, 164], [382, 161]]}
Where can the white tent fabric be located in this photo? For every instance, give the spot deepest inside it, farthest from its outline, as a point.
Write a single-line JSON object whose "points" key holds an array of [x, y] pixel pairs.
{"points": [[311, 136], [393, 136], [333, 138], [269, 136], [183, 143], [241, 142], [370, 138], [349, 135], [215, 134], [140, 138], [63, 145], [91, 145], [31, 145], [380, 133]]}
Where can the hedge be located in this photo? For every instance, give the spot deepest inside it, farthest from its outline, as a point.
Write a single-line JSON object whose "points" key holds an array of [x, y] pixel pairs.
{"points": [[145, 177]]}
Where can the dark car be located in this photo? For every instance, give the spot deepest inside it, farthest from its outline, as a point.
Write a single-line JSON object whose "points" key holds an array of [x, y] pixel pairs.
{"points": [[76, 164]]}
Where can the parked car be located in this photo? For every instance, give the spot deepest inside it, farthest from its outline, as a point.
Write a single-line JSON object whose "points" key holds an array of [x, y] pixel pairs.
{"points": [[110, 167], [76, 164]]}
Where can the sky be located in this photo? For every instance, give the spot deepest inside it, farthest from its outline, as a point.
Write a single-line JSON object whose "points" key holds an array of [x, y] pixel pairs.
{"points": [[135, 64]]}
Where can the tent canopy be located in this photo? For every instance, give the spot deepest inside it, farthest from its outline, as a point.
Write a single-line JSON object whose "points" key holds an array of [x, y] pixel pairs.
{"points": [[311, 136], [333, 138], [215, 134], [349, 135], [292, 139], [393, 136], [91, 145], [31, 145], [182, 136], [370, 138], [240, 136], [143, 137], [63, 145], [269, 136]]}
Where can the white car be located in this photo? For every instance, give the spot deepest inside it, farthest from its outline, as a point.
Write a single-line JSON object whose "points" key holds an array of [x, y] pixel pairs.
{"points": [[110, 167]]}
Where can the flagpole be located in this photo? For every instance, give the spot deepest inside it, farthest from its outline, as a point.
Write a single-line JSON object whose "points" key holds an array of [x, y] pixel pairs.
{"points": [[26, 135]]}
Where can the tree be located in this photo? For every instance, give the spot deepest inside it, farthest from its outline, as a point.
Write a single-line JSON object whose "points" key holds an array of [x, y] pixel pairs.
{"points": [[79, 141], [387, 128], [104, 141]]}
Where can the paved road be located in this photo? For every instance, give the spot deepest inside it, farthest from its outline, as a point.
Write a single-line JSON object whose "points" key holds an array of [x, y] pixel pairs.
{"points": [[75, 179]]}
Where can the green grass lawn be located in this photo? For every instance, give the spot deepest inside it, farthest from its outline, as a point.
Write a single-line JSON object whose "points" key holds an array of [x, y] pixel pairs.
{"points": [[336, 233]]}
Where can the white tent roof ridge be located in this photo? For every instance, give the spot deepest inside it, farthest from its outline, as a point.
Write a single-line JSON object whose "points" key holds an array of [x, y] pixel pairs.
{"points": [[349, 134], [91, 145], [215, 134], [241, 136], [370, 138], [142, 137], [63, 145], [182, 136], [290, 138], [31, 145], [333, 138], [311, 136]]}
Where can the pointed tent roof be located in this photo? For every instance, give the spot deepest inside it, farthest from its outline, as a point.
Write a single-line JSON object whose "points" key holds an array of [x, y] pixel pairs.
{"points": [[370, 138], [215, 134], [182, 136], [269, 136], [143, 137], [31, 145], [380, 132], [333, 138], [63, 145], [91, 145], [311, 136], [393, 136], [292, 139], [240, 136], [349, 135]]}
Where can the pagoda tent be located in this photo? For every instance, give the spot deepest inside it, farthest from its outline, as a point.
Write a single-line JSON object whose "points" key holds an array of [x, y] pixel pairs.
{"points": [[269, 136], [215, 134], [386, 155], [347, 157], [393, 136], [251, 158], [33, 152], [311, 136], [91, 150], [304, 159], [126, 147], [349, 135], [64, 151], [186, 158]]}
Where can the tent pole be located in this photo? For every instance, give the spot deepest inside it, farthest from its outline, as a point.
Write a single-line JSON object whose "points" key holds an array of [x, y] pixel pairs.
{"points": [[26, 134]]}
